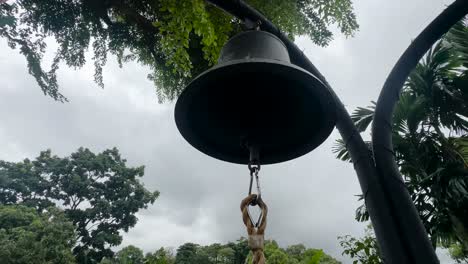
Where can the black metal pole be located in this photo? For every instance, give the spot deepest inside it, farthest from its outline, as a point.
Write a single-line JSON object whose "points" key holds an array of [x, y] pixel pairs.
{"points": [[393, 244], [387, 168]]}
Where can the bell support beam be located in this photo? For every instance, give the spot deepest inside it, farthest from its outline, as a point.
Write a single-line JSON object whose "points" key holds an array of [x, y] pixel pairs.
{"points": [[382, 125], [396, 246]]}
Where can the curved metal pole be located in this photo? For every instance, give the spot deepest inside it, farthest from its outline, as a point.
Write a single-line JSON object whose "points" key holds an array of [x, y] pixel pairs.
{"points": [[386, 226], [382, 127]]}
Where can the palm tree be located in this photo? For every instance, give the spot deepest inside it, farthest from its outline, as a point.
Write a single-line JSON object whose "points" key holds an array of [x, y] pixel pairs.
{"points": [[430, 138]]}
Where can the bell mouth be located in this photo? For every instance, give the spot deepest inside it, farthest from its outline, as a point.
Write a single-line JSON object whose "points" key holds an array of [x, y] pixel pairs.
{"points": [[281, 108]]}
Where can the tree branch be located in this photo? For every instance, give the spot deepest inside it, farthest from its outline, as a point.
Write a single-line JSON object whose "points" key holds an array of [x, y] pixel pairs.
{"points": [[143, 24]]}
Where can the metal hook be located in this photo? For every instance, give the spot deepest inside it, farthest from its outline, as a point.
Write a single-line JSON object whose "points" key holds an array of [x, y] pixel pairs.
{"points": [[254, 169]]}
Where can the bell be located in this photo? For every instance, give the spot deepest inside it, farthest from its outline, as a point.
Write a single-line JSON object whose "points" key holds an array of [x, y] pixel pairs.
{"points": [[254, 97]]}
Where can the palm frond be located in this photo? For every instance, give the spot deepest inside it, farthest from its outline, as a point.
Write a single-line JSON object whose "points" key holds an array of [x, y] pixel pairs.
{"points": [[339, 148], [363, 116], [461, 147], [410, 111], [362, 214], [457, 37]]}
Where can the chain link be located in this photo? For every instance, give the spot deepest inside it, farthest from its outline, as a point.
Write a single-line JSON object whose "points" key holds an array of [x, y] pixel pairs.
{"points": [[254, 170]]}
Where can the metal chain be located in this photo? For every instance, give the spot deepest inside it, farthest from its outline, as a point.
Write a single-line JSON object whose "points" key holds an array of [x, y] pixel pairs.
{"points": [[258, 196], [255, 230], [254, 170]]}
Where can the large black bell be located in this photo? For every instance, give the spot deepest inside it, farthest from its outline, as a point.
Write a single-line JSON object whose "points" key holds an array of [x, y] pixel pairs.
{"points": [[255, 96]]}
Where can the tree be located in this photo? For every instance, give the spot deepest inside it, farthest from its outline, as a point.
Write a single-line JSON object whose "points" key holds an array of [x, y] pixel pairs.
{"points": [[430, 138], [161, 256], [106, 261], [177, 40], [240, 249], [226, 255], [217, 253], [295, 254], [296, 251], [98, 192], [129, 255], [362, 250], [29, 237], [274, 254], [221, 254], [312, 256], [187, 253]]}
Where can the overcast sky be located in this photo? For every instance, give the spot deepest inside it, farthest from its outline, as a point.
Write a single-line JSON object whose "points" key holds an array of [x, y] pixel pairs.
{"points": [[311, 199]]}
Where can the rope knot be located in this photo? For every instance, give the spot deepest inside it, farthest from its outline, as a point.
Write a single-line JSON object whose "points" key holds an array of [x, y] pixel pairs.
{"points": [[256, 242], [255, 231]]}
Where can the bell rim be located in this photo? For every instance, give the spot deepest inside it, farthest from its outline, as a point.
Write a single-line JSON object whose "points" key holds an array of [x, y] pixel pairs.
{"points": [[327, 126]]}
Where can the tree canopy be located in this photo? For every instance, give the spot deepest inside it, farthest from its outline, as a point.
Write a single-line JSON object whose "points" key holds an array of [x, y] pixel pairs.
{"points": [[231, 253], [29, 237], [177, 40], [99, 194], [294, 254], [130, 255], [160, 256]]}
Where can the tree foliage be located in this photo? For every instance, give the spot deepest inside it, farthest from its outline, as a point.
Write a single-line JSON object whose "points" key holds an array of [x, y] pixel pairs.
{"points": [[130, 255], [99, 193], [161, 256], [29, 237], [294, 254], [363, 250], [458, 252], [177, 40], [231, 253], [430, 138]]}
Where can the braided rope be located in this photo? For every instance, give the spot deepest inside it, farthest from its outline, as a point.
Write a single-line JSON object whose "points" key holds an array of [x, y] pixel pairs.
{"points": [[256, 234]]}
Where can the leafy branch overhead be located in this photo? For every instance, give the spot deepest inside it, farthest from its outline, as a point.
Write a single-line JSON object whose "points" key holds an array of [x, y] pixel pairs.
{"points": [[176, 40]]}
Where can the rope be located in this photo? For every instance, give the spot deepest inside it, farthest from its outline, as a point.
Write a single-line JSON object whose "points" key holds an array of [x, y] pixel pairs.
{"points": [[256, 231]]}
